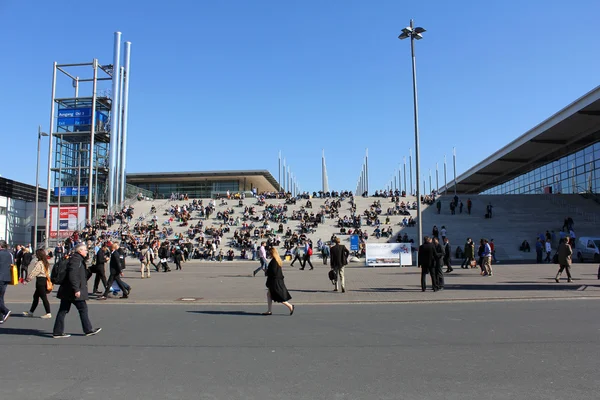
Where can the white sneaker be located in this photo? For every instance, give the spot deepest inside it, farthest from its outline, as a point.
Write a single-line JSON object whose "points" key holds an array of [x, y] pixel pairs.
{"points": [[27, 314], [46, 316]]}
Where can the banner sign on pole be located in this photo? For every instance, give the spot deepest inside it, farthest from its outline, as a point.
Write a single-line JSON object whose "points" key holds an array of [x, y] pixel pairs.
{"points": [[354, 242], [67, 220], [70, 191], [386, 254]]}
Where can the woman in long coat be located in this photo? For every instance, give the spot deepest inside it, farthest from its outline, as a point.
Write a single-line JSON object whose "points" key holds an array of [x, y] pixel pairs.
{"points": [[276, 290]]}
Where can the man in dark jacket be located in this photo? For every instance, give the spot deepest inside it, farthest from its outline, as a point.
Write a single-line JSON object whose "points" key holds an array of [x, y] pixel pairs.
{"points": [[447, 255], [427, 262], [439, 256], [469, 254], [73, 290], [339, 258], [100, 269], [116, 267], [6, 259]]}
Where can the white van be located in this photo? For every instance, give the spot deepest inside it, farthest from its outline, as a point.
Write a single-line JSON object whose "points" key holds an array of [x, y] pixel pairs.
{"points": [[588, 249]]}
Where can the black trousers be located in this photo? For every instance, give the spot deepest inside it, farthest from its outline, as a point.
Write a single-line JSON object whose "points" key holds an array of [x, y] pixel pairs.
{"points": [[40, 293], [100, 272], [116, 277], [565, 267], [439, 276], [63, 310], [307, 260], [297, 257], [467, 262], [431, 272]]}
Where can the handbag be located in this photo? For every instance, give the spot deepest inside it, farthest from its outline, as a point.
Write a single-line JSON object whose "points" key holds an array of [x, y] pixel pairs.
{"points": [[473, 263], [49, 284], [14, 275]]}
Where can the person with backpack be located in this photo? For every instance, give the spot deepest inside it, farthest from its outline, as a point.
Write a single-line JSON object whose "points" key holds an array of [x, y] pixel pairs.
{"points": [[325, 253], [6, 260], [178, 257], [308, 251], [71, 276], [297, 255], [40, 272]]}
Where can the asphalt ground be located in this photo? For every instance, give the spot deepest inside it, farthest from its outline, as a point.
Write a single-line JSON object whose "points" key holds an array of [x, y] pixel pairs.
{"points": [[233, 283], [543, 349]]}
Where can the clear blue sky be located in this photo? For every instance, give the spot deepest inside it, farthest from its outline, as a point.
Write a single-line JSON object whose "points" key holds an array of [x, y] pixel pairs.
{"points": [[226, 85]]}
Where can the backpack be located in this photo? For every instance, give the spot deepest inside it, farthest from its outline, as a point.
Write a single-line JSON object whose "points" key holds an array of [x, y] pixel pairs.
{"points": [[59, 272]]}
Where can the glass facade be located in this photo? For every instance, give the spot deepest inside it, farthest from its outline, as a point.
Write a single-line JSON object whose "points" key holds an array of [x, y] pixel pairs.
{"points": [[198, 189], [575, 173]]}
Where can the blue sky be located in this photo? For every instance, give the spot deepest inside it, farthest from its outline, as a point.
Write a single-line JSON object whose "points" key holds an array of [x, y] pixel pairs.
{"points": [[222, 85]]}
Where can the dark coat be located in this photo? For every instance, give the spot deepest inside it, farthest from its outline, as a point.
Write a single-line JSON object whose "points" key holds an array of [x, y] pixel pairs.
{"points": [[75, 281], [26, 259], [101, 257], [339, 256], [6, 259], [275, 283], [439, 254], [115, 262], [447, 251], [427, 257]]}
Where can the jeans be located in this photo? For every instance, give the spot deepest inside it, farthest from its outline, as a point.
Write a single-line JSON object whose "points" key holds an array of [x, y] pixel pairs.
{"points": [[3, 309], [65, 307], [263, 265], [122, 285]]}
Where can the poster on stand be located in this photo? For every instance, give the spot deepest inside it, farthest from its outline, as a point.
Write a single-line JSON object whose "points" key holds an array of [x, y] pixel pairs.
{"points": [[69, 216], [388, 254]]}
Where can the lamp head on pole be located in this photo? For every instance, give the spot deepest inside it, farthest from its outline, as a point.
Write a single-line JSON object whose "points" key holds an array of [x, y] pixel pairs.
{"points": [[414, 33]]}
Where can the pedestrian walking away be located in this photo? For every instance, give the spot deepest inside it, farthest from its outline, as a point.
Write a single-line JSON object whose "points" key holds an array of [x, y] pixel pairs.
{"points": [[564, 259], [339, 259], [73, 291], [276, 290], [6, 260], [447, 255], [297, 256], [427, 261], [439, 263], [99, 268], [40, 275]]}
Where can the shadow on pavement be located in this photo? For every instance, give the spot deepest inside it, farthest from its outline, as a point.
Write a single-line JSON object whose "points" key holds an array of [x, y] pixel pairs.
{"points": [[311, 290], [514, 287], [24, 332], [387, 290], [215, 312]]}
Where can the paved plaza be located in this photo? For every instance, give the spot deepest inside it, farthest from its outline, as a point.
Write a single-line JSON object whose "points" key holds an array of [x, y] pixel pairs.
{"points": [[204, 282]]}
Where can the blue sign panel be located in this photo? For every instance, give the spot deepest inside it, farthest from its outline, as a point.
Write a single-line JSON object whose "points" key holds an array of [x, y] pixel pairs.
{"points": [[64, 224], [71, 191], [353, 242]]}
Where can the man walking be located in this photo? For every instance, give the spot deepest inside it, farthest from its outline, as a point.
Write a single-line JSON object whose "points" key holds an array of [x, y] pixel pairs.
{"points": [[548, 251], [100, 268], [469, 254], [116, 267], [439, 263], [447, 255], [564, 259], [487, 258], [73, 290], [6, 260], [426, 258], [262, 257], [297, 255], [339, 259]]}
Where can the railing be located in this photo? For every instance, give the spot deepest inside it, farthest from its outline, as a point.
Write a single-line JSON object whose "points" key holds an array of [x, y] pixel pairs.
{"points": [[571, 209]]}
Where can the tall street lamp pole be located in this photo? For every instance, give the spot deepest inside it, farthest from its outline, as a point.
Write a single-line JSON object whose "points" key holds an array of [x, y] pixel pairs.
{"points": [[37, 189], [415, 34]]}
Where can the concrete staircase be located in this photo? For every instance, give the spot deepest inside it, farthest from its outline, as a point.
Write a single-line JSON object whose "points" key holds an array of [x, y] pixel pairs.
{"points": [[515, 218]]}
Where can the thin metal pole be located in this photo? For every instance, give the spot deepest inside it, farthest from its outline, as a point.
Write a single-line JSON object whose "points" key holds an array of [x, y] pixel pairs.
{"points": [[37, 189], [437, 178], [92, 143], [454, 161], [49, 186], [279, 171], [96, 187], [405, 187], [78, 183], [119, 141], [417, 153], [114, 125], [445, 177], [410, 164], [430, 188], [125, 105], [60, 160], [76, 86], [367, 170]]}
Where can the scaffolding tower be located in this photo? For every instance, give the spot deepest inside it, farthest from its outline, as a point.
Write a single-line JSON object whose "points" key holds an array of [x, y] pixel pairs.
{"points": [[88, 143]]}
